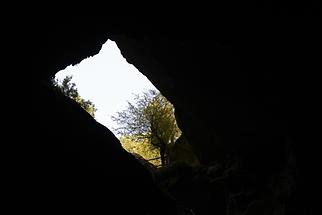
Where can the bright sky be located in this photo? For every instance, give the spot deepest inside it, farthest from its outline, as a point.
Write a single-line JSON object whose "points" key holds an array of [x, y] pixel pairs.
{"points": [[108, 81]]}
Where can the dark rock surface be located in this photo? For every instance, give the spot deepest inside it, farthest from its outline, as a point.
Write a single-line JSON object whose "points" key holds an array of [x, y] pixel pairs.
{"points": [[244, 91]]}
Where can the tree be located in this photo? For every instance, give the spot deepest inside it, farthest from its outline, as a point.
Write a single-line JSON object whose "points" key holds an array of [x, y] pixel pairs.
{"points": [[151, 118], [69, 89]]}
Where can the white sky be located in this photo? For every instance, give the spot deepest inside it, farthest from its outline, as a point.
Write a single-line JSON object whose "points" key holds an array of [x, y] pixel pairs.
{"points": [[108, 81]]}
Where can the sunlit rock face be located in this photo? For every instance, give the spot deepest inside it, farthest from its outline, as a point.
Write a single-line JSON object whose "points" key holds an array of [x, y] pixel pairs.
{"points": [[241, 96]]}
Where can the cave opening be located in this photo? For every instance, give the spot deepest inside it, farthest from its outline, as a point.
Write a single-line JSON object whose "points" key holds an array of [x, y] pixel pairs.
{"points": [[122, 99]]}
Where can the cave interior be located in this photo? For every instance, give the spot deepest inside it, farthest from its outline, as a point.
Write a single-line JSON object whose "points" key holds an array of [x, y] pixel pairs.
{"points": [[244, 90]]}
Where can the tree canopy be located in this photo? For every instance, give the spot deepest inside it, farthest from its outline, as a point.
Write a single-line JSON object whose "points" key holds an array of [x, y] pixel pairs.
{"points": [[151, 119], [68, 88]]}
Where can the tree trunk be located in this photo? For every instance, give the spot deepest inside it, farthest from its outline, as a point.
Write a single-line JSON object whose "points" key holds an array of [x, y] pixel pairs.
{"points": [[162, 154]]}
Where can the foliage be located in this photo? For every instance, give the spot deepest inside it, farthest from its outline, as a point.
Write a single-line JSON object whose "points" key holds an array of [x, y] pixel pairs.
{"points": [[69, 89], [150, 119], [143, 148]]}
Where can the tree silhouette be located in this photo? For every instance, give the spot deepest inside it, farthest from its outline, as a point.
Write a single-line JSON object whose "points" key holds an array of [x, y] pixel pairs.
{"points": [[69, 89], [151, 118]]}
